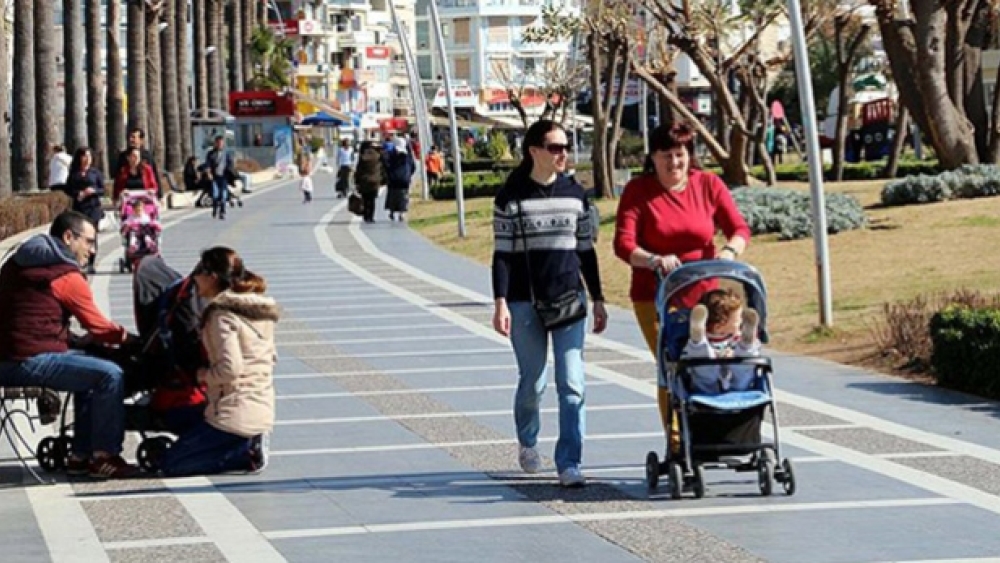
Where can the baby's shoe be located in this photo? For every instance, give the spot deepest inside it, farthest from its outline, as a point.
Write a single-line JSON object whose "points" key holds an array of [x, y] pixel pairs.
{"points": [[699, 318], [748, 332]]}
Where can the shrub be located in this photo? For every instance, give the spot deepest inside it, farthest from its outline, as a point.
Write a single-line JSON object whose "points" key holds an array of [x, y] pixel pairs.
{"points": [[21, 213], [497, 147], [966, 354], [969, 181], [788, 213], [903, 329]]}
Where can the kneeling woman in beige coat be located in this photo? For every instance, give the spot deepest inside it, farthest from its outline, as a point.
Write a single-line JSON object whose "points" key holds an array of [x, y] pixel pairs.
{"points": [[238, 337]]}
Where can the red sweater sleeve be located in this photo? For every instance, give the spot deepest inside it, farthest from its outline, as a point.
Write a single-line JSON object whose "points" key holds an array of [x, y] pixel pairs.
{"points": [[727, 215], [73, 293], [627, 221]]}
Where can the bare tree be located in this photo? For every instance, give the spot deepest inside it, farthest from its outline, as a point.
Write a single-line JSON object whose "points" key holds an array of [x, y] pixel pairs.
{"points": [[847, 52], [115, 88], [181, 50], [75, 77], [154, 85], [898, 142], [96, 115], [935, 53], [45, 88], [137, 102]]}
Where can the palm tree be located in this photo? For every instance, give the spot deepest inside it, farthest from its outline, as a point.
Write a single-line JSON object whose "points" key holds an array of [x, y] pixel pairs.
{"points": [[183, 81], [75, 77], [171, 119], [225, 53], [248, 19], [271, 57], [213, 38], [6, 186], [136, 30], [115, 85], [96, 132], [154, 85], [23, 120], [45, 88], [237, 43], [199, 24]]}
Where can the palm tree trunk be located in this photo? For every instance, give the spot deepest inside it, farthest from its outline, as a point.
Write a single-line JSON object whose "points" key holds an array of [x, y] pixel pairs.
{"points": [[225, 37], [248, 18], [45, 89], [171, 119], [238, 44], [115, 89], [23, 120], [6, 185], [183, 79], [75, 78], [213, 38], [199, 21], [96, 133], [137, 104], [154, 90]]}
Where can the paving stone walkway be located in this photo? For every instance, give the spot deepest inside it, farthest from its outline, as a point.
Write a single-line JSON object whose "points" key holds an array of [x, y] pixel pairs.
{"points": [[395, 440]]}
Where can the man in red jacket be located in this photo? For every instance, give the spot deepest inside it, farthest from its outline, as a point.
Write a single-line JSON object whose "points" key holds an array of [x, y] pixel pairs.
{"points": [[41, 287]]}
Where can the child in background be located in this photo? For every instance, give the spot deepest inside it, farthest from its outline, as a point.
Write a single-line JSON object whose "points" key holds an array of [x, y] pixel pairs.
{"points": [[140, 229], [306, 184]]}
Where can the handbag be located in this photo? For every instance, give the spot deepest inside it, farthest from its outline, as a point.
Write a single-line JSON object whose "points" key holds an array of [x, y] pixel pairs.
{"points": [[562, 310], [355, 204]]}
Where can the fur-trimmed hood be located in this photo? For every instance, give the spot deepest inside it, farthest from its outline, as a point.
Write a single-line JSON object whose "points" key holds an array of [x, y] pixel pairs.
{"points": [[250, 306]]}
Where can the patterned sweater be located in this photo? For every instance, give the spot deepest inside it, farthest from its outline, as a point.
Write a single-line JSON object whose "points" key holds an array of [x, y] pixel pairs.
{"points": [[559, 238]]}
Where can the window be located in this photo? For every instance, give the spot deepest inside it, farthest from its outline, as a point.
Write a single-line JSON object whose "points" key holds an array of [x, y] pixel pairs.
{"points": [[528, 66], [462, 31], [498, 31], [425, 67], [423, 35], [381, 73], [463, 69]]}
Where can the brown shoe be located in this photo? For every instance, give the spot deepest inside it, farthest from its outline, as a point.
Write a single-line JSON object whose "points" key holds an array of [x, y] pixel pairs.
{"points": [[77, 467], [112, 467]]}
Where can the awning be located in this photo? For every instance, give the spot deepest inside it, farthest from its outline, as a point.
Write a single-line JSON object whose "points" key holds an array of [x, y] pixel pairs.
{"points": [[438, 121], [325, 107], [321, 118], [501, 121]]}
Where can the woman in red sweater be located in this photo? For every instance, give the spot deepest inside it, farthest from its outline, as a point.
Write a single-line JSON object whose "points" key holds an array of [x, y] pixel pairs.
{"points": [[668, 216]]}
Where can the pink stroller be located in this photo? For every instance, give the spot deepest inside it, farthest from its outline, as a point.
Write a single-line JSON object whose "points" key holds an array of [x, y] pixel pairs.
{"points": [[139, 216]]}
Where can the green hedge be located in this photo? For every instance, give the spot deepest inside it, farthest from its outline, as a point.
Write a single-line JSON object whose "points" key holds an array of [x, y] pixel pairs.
{"points": [[789, 213], [965, 182], [966, 354]]}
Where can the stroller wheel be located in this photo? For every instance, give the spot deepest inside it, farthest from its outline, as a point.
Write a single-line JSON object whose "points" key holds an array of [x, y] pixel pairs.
{"points": [[150, 452], [652, 471], [699, 481], [64, 444], [676, 480], [49, 457], [239, 202], [787, 477], [765, 475]]}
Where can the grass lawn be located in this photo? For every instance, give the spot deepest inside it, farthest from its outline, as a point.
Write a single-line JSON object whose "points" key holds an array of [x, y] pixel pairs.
{"points": [[905, 252]]}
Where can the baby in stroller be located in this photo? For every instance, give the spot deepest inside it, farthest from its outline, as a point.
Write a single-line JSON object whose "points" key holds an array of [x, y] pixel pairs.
{"points": [[140, 228], [722, 328]]}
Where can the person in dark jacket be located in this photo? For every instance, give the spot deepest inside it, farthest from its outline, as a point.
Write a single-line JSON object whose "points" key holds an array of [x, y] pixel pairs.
{"points": [[137, 140], [41, 289], [191, 174], [369, 176], [85, 186], [222, 167], [399, 169]]}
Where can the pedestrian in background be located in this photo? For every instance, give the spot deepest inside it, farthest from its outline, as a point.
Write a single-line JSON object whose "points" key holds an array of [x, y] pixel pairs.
{"points": [[345, 164], [223, 169], [59, 168], [369, 176], [305, 182], [85, 187], [399, 169]]}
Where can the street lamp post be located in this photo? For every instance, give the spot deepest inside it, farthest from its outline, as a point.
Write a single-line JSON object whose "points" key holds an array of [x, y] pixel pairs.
{"points": [[456, 155], [804, 80], [413, 76]]}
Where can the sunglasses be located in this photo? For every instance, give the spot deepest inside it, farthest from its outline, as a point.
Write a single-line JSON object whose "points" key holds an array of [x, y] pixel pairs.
{"points": [[556, 148]]}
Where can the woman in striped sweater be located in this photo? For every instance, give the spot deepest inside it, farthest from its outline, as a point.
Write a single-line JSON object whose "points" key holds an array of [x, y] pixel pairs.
{"points": [[544, 249]]}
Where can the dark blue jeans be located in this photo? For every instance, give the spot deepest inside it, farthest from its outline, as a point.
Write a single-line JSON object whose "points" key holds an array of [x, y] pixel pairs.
{"points": [[220, 194], [206, 450], [98, 394]]}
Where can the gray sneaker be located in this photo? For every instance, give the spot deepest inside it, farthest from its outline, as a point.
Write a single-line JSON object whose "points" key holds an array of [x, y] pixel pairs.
{"points": [[259, 452], [529, 459], [572, 478]]}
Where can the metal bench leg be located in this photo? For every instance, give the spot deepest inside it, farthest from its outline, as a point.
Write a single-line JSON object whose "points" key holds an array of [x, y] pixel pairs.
{"points": [[8, 427]]}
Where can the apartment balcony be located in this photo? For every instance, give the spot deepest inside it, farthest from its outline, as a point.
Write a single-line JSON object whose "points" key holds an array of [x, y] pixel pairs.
{"points": [[402, 104], [355, 39], [399, 69], [345, 5], [312, 70], [453, 8], [314, 28]]}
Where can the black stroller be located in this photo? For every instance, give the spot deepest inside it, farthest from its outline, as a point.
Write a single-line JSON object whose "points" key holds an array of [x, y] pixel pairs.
{"points": [[204, 186], [160, 371]]}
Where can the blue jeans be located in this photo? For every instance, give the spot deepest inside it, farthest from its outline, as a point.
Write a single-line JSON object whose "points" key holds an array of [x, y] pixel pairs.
{"points": [[531, 343], [206, 450], [98, 393], [220, 194]]}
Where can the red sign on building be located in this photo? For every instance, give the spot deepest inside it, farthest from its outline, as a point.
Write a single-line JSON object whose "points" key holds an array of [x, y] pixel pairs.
{"points": [[264, 103], [378, 52], [285, 27]]}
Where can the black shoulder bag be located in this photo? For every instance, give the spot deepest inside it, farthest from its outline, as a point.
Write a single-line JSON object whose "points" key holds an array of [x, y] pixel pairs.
{"points": [[561, 311]]}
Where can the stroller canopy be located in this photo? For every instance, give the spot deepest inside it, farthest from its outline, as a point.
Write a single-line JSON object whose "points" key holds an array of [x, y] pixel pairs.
{"points": [[693, 272]]}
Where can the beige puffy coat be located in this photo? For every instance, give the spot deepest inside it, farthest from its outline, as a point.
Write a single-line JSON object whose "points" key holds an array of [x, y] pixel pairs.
{"points": [[238, 334]]}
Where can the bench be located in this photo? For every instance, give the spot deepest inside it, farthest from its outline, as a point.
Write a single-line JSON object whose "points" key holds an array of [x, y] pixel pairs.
{"points": [[15, 407]]}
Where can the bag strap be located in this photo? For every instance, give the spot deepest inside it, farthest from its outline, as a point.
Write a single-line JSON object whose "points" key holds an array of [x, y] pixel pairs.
{"points": [[527, 256]]}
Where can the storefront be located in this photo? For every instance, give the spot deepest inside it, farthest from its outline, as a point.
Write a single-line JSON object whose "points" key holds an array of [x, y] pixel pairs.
{"points": [[257, 114]]}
